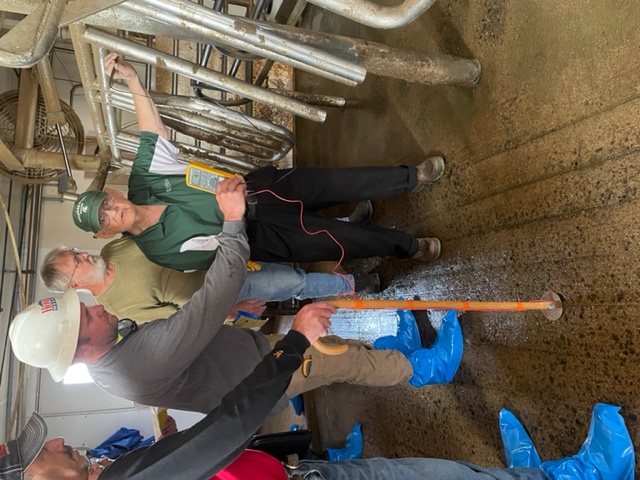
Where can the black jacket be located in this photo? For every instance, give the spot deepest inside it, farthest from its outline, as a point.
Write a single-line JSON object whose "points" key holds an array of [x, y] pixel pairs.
{"points": [[201, 451]]}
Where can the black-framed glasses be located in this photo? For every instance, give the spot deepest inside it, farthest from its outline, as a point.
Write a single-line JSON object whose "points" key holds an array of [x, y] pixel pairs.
{"points": [[126, 327]]}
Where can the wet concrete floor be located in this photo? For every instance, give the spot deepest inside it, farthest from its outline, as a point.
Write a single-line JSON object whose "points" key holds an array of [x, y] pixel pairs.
{"points": [[540, 193]]}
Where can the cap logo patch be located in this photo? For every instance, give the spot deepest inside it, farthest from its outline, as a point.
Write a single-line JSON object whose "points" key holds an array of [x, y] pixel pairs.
{"points": [[4, 450], [48, 305], [81, 208]]}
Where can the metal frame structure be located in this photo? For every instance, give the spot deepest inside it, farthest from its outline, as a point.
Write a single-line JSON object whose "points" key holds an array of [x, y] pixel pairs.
{"points": [[240, 139]]}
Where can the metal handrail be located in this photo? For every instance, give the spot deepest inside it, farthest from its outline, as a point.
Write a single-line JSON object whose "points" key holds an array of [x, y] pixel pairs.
{"points": [[375, 15]]}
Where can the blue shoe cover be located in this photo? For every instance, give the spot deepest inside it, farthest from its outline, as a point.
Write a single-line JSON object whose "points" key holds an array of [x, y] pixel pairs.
{"points": [[352, 449], [439, 363], [406, 340], [607, 453], [297, 404], [518, 446]]}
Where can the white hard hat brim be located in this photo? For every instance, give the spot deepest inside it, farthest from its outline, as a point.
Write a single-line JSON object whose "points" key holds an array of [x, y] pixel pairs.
{"points": [[70, 340]]}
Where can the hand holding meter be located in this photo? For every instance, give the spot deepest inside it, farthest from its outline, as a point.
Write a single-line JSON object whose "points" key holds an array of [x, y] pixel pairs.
{"points": [[206, 178]]}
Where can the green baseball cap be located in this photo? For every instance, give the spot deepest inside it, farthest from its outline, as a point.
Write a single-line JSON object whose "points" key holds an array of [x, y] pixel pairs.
{"points": [[85, 210]]}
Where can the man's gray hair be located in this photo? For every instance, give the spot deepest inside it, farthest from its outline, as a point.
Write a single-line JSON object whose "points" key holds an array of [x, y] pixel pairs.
{"points": [[53, 278]]}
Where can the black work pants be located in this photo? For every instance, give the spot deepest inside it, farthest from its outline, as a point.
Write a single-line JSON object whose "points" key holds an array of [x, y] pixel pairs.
{"points": [[273, 225]]}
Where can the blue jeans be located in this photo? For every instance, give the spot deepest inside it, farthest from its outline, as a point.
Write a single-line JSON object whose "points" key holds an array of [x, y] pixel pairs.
{"points": [[411, 469], [277, 282]]}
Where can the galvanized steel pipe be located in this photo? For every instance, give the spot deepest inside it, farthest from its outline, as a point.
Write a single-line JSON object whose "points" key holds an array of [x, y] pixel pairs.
{"points": [[241, 34], [87, 76], [202, 74], [30, 40], [130, 142], [376, 15]]}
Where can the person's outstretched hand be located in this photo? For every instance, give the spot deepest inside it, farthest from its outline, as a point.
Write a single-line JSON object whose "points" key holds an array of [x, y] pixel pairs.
{"points": [[313, 320], [124, 70], [231, 193]]}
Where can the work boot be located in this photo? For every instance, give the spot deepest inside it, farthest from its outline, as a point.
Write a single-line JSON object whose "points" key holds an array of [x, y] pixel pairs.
{"points": [[439, 363], [429, 171], [518, 446], [369, 283], [407, 338], [607, 453], [428, 249], [361, 215], [352, 449]]}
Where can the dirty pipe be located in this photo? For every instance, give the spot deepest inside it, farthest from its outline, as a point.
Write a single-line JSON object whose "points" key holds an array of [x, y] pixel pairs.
{"points": [[375, 15], [386, 61], [196, 72], [31, 39], [87, 76], [238, 33]]}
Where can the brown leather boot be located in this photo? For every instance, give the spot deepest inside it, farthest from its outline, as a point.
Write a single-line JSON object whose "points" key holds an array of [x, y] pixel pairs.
{"points": [[428, 249], [428, 172]]}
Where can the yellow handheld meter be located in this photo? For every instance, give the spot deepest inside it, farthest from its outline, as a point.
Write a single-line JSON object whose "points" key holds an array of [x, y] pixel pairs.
{"points": [[204, 177]]}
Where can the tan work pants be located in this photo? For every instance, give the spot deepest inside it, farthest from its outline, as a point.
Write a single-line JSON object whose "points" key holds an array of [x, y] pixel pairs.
{"points": [[360, 365]]}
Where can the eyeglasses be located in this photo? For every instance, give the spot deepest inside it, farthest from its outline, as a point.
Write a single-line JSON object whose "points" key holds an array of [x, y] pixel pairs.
{"points": [[76, 261], [126, 327], [106, 204]]}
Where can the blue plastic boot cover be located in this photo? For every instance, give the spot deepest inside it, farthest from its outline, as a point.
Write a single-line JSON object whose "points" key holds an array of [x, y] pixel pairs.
{"points": [[407, 339], [607, 453], [518, 446], [439, 363], [352, 449]]}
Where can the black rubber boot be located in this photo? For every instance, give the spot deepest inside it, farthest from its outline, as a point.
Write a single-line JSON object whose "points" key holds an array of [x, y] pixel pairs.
{"points": [[367, 283]]}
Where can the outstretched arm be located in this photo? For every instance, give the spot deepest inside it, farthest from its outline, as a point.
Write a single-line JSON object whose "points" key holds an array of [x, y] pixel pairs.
{"points": [[215, 441], [148, 117]]}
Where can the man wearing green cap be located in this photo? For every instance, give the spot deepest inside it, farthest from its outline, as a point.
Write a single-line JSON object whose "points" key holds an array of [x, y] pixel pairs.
{"points": [[177, 226]]}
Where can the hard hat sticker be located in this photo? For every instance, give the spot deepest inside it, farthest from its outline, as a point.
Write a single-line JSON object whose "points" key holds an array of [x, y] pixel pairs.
{"points": [[48, 305]]}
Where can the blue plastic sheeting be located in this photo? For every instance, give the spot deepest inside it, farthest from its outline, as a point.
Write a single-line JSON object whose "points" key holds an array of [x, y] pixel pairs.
{"points": [[518, 446], [122, 441]]}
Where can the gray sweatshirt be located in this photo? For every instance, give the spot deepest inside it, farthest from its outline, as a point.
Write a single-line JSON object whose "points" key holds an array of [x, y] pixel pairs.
{"points": [[190, 360]]}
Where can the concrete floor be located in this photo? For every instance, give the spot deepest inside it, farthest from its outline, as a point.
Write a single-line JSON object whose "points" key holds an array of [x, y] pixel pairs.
{"points": [[540, 193]]}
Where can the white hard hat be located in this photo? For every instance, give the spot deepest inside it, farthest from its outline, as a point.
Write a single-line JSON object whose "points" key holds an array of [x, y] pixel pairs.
{"points": [[45, 334]]}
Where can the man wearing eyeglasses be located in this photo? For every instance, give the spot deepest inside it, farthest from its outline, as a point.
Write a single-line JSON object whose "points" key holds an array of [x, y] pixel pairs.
{"points": [[177, 226], [128, 285]]}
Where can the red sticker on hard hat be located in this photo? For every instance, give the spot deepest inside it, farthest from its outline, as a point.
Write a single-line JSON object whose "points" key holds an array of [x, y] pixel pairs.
{"points": [[4, 450], [48, 305]]}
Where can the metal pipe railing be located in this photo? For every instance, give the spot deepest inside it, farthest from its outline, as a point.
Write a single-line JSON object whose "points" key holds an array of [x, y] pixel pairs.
{"points": [[87, 76], [109, 113], [30, 40], [239, 33], [128, 141], [375, 15], [214, 124], [196, 72]]}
